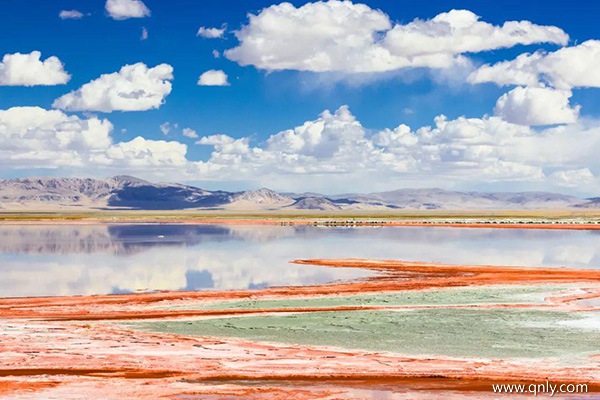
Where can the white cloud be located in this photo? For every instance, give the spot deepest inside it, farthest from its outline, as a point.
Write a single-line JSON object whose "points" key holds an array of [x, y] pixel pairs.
{"points": [[520, 71], [566, 68], [537, 106], [134, 88], [70, 14], [29, 70], [353, 38], [321, 138], [213, 77], [167, 127], [461, 31], [124, 9], [573, 178], [190, 133], [211, 33], [335, 152], [216, 53], [141, 153], [144, 34], [32, 137]]}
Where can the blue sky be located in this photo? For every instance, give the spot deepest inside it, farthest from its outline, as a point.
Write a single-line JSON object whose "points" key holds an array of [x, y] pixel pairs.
{"points": [[259, 102]]}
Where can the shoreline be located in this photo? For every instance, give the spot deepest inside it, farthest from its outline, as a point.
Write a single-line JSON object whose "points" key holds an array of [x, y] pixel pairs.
{"points": [[317, 221], [388, 276]]}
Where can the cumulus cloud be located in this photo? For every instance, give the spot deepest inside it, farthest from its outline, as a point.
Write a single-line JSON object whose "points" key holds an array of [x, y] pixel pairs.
{"points": [[70, 14], [124, 9], [340, 36], [134, 88], [213, 77], [29, 70], [566, 68], [32, 137], [335, 150], [167, 127], [211, 33], [461, 31], [144, 34], [572, 178], [190, 133], [141, 152], [536, 106]]}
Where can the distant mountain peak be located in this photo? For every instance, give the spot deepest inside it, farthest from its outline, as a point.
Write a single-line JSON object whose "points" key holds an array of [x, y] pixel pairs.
{"points": [[128, 179], [262, 196], [315, 203]]}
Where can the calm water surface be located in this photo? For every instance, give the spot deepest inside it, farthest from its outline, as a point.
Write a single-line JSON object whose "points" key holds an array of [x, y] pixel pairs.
{"points": [[98, 259]]}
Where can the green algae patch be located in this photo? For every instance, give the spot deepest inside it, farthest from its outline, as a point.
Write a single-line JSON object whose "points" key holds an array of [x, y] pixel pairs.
{"points": [[505, 294], [440, 332]]}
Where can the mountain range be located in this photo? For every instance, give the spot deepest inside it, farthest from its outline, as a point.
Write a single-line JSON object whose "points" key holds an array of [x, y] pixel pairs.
{"points": [[126, 192]]}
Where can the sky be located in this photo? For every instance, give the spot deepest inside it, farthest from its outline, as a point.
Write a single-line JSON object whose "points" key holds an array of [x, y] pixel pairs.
{"points": [[333, 96]]}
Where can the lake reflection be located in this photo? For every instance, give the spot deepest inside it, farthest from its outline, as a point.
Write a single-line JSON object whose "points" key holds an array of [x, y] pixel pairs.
{"points": [[97, 259]]}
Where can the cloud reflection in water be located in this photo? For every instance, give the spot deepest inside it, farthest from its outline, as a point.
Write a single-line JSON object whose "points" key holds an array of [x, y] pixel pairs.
{"points": [[96, 259]]}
